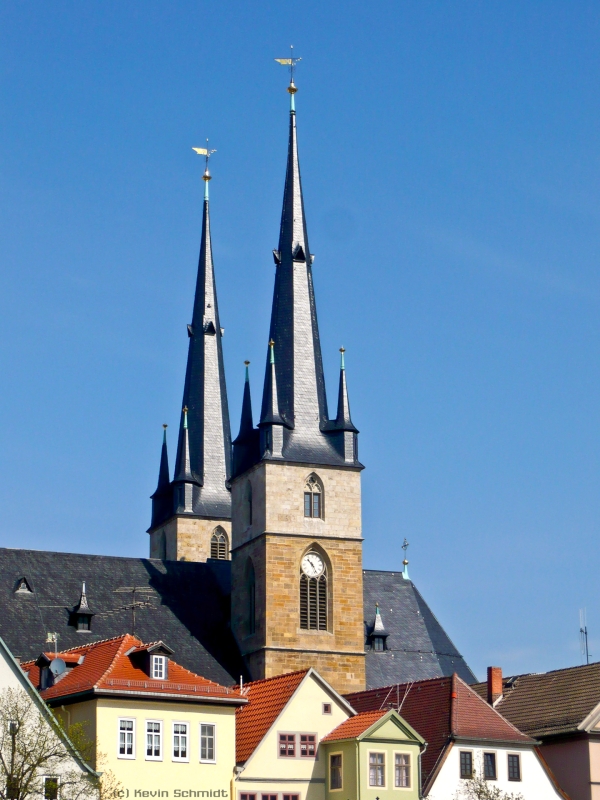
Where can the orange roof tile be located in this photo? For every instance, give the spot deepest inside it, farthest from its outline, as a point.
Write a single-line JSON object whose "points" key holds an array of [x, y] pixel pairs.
{"points": [[108, 665], [354, 726], [267, 699]]}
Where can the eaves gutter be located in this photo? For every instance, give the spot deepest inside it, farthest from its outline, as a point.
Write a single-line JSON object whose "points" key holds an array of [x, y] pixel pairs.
{"points": [[77, 697]]}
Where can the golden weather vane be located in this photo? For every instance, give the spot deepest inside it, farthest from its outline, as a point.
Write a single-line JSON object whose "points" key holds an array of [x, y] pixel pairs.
{"points": [[204, 151], [291, 63]]}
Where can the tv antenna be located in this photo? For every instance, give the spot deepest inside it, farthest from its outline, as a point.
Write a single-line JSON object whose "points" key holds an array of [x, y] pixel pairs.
{"points": [[583, 635], [135, 603]]}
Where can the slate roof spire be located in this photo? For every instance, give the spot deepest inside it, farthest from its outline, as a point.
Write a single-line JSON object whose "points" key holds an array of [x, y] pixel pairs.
{"points": [[204, 447], [300, 402], [343, 420], [161, 499]]}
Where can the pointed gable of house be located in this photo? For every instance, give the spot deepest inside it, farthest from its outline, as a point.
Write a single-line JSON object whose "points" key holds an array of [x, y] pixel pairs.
{"points": [[266, 701]]}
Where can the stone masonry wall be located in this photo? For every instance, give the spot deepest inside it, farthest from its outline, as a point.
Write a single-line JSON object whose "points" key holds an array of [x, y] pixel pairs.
{"points": [[186, 538]]}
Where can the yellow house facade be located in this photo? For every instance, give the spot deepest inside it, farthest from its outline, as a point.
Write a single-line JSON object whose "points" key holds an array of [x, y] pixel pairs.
{"points": [[158, 728]]}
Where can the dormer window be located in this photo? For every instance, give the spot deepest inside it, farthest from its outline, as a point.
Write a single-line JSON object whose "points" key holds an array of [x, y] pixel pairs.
{"points": [[378, 643], [23, 587], [158, 668]]}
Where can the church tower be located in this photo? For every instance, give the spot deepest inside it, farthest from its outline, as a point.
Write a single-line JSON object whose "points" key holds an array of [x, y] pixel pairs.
{"points": [[191, 515], [297, 594]]}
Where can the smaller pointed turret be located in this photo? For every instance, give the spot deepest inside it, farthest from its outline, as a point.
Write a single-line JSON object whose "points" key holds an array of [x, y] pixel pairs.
{"points": [[162, 497], [184, 479], [81, 616], [378, 633], [271, 422], [343, 429], [245, 446]]}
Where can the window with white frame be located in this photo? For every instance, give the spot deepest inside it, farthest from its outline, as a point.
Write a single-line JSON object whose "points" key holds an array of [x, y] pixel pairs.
{"points": [[126, 738], [376, 769], [153, 740], [402, 770], [466, 764], [207, 742], [159, 668], [50, 787], [335, 771], [180, 741]]}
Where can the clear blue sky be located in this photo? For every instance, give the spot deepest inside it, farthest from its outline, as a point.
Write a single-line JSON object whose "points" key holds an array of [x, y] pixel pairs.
{"points": [[450, 154]]}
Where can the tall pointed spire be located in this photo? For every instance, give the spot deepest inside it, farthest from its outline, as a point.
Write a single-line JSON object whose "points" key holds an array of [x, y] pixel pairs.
{"points": [[161, 499], [343, 420], [302, 402], [207, 433]]}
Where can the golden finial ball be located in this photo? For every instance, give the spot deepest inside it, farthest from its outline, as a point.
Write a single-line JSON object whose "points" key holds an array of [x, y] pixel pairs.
{"points": [[207, 176], [247, 363], [292, 88], [165, 426]]}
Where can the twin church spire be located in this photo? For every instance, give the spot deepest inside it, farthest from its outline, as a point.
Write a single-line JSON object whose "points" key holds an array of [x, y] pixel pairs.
{"points": [[294, 424]]}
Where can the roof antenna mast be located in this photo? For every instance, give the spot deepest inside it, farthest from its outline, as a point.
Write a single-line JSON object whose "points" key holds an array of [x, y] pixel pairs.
{"points": [[583, 635]]}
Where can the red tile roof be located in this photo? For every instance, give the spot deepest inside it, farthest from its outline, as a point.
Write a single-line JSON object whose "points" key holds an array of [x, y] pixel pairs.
{"points": [[354, 726], [440, 709], [108, 665], [267, 699]]}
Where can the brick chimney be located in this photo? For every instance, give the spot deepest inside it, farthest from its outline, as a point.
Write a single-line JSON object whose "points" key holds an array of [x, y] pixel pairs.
{"points": [[494, 684]]}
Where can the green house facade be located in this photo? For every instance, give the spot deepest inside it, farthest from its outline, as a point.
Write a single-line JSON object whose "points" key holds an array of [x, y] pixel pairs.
{"points": [[373, 756]]}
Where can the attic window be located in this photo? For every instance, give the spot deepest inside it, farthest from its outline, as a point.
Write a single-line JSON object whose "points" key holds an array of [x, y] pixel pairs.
{"points": [[159, 668], [23, 587], [378, 643]]}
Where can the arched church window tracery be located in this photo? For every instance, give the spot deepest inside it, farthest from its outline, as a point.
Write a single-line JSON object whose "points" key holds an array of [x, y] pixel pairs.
{"points": [[219, 544], [314, 497]]}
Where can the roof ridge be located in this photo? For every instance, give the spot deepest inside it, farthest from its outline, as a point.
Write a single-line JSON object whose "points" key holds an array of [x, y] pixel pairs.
{"points": [[399, 685], [489, 706], [276, 677], [127, 638], [77, 648]]}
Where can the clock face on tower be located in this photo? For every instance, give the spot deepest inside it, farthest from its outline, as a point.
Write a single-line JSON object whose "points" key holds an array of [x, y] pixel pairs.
{"points": [[312, 565]]}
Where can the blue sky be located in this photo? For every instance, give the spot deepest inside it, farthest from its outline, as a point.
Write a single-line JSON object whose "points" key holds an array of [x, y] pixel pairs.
{"points": [[450, 156]]}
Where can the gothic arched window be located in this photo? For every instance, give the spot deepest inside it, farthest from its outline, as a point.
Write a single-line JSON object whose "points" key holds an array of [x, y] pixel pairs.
{"points": [[250, 597], [313, 497], [313, 593], [219, 545]]}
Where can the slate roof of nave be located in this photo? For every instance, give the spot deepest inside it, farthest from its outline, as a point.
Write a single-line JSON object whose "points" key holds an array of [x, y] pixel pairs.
{"points": [[187, 605], [417, 646]]}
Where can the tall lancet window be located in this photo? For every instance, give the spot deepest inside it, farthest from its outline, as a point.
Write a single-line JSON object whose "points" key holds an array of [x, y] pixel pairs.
{"points": [[313, 593], [219, 545], [313, 497]]}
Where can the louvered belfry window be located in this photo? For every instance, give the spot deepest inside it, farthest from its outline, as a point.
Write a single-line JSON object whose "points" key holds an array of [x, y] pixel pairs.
{"points": [[219, 544], [313, 602]]}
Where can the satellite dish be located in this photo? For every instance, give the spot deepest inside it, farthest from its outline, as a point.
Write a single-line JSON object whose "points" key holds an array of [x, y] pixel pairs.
{"points": [[57, 667]]}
